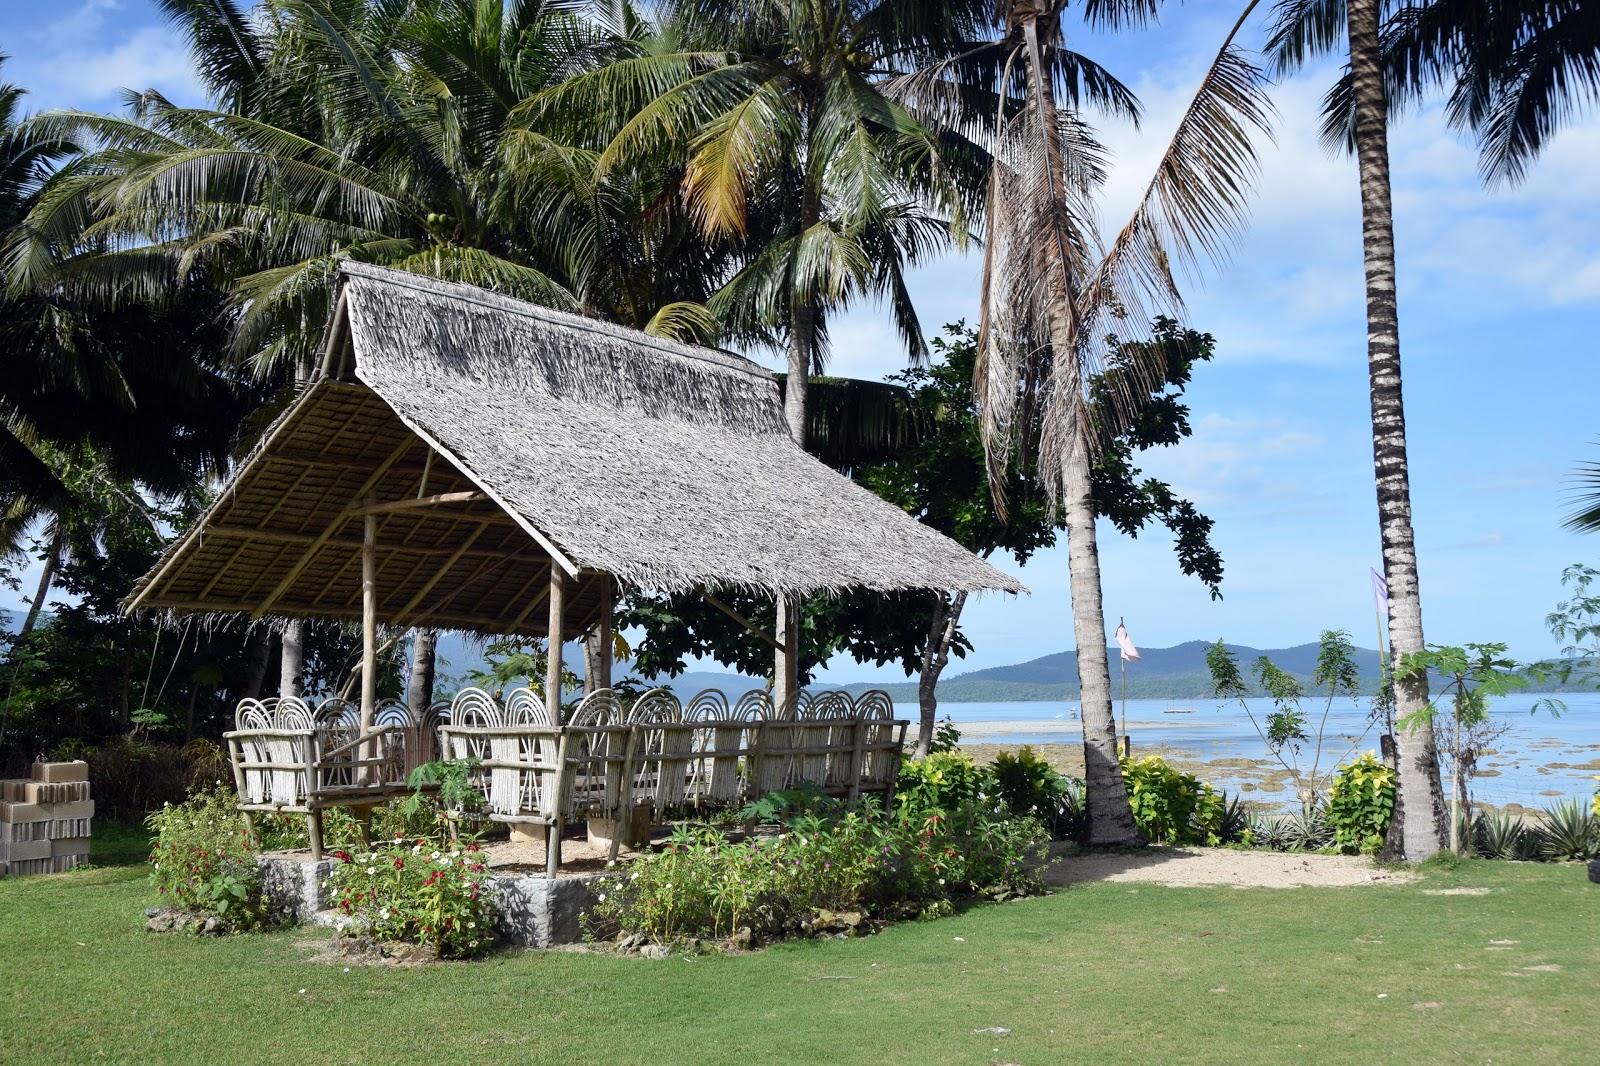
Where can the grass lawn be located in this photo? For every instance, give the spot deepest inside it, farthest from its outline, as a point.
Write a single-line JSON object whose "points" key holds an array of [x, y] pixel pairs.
{"points": [[1101, 972]]}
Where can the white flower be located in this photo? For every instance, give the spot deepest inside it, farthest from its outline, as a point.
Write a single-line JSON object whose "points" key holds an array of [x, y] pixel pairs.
{"points": [[384, 913], [372, 869], [435, 856], [472, 925], [601, 897]]}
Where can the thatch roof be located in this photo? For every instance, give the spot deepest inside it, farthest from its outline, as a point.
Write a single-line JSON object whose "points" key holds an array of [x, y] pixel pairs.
{"points": [[606, 450]]}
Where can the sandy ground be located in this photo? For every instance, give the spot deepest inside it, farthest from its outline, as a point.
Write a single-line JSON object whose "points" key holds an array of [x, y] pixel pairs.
{"points": [[1221, 866]]}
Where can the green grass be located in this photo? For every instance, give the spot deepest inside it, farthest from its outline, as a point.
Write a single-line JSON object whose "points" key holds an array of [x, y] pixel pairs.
{"points": [[1104, 972]]}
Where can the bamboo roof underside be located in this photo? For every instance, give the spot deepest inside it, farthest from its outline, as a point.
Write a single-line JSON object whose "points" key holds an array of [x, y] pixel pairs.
{"points": [[557, 441]]}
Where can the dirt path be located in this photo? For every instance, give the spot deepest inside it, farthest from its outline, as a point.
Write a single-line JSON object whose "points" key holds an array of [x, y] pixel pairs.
{"points": [[1222, 866]]}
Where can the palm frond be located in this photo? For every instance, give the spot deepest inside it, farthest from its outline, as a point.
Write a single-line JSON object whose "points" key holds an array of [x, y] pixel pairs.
{"points": [[1586, 519]]}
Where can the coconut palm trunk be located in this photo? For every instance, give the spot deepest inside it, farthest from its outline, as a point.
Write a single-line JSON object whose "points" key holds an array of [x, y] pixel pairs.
{"points": [[1419, 813], [1110, 816], [424, 658], [47, 574], [294, 658]]}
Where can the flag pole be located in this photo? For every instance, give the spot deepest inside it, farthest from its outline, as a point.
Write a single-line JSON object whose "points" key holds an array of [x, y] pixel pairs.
{"points": [[1127, 741]]}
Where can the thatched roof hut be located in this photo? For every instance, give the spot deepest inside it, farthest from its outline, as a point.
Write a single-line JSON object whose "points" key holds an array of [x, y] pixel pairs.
{"points": [[488, 440]]}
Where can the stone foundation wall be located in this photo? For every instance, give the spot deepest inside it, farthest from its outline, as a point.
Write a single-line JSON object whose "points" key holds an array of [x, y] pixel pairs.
{"points": [[535, 911]]}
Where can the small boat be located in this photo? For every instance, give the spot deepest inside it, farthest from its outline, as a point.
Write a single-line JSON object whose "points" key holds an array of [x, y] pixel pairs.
{"points": [[1178, 710]]}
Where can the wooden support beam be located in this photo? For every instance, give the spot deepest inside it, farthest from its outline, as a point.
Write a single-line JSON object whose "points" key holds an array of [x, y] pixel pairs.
{"points": [[749, 626], [603, 631], [436, 619], [438, 575], [421, 501], [327, 534], [369, 632], [533, 604], [552, 673], [369, 621], [274, 536]]}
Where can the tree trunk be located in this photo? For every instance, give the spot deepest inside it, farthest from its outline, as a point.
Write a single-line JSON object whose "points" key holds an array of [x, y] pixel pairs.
{"points": [[188, 711], [255, 672], [1419, 802], [935, 657], [424, 653], [294, 657], [47, 575], [802, 325], [1110, 816]]}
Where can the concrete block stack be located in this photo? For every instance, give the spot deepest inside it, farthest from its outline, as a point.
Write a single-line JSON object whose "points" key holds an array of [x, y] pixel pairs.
{"points": [[45, 819]]}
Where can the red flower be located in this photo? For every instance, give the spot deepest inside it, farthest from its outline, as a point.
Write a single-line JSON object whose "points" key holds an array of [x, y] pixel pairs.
{"points": [[343, 856], [399, 864]]}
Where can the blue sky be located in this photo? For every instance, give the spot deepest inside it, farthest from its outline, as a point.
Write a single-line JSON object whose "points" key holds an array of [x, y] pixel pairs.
{"points": [[1499, 298]]}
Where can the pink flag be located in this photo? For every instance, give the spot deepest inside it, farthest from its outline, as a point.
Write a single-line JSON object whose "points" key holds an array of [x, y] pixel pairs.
{"points": [[1129, 652]]}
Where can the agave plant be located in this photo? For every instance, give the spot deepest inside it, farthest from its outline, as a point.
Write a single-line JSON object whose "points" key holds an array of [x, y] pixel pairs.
{"points": [[1236, 820], [1309, 830], [1271, 831], [1501, 835], [1569, 831]]}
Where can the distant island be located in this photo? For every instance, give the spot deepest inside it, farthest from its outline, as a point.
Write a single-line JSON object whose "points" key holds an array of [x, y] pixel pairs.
{"points": [[1177, 673]]}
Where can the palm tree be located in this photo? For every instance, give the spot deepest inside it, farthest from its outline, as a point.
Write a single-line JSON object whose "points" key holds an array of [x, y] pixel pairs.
{"points": [[796, 154], [1053, 295], [376, 131], [60, 470], [1513, 72], [1303, 28], [793, 151]]}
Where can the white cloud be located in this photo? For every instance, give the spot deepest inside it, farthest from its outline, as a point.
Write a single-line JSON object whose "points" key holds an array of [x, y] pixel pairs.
{"points": [[148, 58]]}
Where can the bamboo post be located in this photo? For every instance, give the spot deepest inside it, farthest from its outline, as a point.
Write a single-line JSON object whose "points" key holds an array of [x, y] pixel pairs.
{"points": [[1127, 741], [608, 644], [369, 632], [552, 672], [552, 838]]}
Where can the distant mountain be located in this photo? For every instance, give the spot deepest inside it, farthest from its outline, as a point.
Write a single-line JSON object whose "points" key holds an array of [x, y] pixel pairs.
{"points": [[1178, 672]]}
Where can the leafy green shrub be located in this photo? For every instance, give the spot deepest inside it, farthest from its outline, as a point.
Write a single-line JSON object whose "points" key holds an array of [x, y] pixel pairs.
{"points": [[1030, 787], [419, 892], [1568, 831], [943, 781], [787, 804], [200, 859], [133, 777], [1360, 805], [1169, 806], [946, 737], [864, 861]]}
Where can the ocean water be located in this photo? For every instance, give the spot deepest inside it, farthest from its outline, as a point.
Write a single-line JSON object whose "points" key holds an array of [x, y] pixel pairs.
{"points": [[1540, 759]]}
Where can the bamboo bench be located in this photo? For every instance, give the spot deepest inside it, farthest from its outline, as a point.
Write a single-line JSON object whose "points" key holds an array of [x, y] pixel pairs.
{"points": [[288, 759], [659, 757]]}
